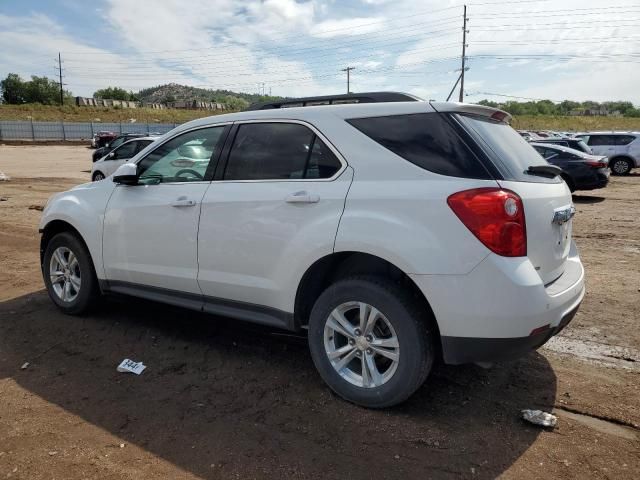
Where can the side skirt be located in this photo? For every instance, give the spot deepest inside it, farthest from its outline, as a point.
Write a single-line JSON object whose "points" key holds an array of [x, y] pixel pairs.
{"points": [[217, 306]]}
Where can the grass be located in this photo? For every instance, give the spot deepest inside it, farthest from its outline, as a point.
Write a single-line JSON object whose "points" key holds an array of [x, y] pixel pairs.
{"points": [[71, 113], [577, 124]]}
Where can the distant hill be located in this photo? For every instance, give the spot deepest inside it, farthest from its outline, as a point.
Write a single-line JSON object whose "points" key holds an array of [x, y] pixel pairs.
{"points": [[173, 92]]}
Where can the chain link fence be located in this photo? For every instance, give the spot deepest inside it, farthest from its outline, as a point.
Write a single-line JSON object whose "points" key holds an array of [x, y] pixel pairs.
{"points": [[51, 131]]}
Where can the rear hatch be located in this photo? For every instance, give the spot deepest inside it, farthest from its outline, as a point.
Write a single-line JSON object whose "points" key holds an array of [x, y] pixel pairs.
{"points": [[547, 201]]}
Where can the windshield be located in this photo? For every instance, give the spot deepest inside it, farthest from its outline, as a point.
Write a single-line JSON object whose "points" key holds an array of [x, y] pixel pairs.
{"points": [[511, 153]]}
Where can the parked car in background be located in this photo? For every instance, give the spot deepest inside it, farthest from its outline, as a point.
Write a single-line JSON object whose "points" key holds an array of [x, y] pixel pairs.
{"points": [[622, 149], [396, 234], [116, 142], [575, 143], [581, 171], [108, 164], [101, 138]]}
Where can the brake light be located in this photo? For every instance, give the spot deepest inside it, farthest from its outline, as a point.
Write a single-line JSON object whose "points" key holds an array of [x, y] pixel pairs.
{"points": [[495, 217], [597, 164]]}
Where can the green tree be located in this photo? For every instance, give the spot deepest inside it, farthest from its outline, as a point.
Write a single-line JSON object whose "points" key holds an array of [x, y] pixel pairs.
{"points": [[113, 93], [13, 89], [42, 90]]}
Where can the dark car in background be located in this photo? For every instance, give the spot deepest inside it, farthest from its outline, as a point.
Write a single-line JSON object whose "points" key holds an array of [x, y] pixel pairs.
{"points": [[581, 171], [101, 138], [575, 143], [114, 143]]}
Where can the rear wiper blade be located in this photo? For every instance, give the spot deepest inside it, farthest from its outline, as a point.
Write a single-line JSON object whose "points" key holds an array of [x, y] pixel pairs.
{"points": [[544, 170]]}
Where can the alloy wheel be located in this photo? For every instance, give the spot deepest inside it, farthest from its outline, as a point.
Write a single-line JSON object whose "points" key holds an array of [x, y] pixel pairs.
{"points": [[361, 344], [64, 272]]}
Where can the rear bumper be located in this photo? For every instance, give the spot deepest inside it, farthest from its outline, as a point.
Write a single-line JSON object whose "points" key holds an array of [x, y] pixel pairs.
{"points": [[600, 179], [501, 310], [469, 350]]}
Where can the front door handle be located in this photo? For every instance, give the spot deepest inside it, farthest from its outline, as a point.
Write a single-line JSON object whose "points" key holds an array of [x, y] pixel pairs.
{"points": [[183, 202], [302, 197]]}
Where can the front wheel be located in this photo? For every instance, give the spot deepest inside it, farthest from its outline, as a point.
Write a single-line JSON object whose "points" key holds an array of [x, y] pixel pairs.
{"points": [[98, 176], [68, 274], [620, 166], [370, 341]]}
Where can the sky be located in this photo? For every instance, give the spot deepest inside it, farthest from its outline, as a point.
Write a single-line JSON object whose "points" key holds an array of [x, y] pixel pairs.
{"points": [[522, 49]]}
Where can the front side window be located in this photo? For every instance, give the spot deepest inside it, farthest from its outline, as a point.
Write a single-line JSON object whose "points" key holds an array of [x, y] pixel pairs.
{"points": [[279, 151], [426, 140], [125, 151], [184, 158]]}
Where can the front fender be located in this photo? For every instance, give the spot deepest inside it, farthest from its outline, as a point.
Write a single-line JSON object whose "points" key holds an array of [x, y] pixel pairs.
{"points": [[83, 208]]}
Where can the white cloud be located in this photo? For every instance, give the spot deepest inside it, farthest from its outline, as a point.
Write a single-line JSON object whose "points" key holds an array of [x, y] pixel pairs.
{"points": [[298, 47], [347, 27]]}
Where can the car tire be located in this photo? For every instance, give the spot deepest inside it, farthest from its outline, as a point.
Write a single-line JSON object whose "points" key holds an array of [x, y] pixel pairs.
{"points": [[69, 275], [367, 377], [620, 166], [97, 176]]}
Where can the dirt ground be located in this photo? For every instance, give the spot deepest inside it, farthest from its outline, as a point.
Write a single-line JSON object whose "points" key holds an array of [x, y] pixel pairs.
{"points": [[227, 400]]}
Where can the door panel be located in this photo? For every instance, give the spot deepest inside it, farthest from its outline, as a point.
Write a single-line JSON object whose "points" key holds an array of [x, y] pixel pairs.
{"points": [[254, 243], [150, 241], [151, 229], [273, 212]]}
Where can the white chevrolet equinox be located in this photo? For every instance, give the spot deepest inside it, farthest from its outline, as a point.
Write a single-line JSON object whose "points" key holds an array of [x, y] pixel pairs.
{"points": [[397, 234]]}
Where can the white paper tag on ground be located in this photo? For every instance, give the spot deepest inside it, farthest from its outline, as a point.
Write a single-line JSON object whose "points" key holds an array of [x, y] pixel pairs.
{"points": [[131, 367]]}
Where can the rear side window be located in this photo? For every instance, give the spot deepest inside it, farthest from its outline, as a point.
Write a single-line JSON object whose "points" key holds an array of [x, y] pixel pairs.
{"points": [[427, 140], [624, 139], [279, 151]]}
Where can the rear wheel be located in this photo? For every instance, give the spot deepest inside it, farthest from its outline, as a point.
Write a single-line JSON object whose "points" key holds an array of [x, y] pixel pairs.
{"points": [[370, 341], [620, 166], [68, 274], [98, 176]]}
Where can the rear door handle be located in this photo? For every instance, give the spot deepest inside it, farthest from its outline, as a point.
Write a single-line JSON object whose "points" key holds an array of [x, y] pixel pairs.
{"points": [[183, 202], [302, 197]]}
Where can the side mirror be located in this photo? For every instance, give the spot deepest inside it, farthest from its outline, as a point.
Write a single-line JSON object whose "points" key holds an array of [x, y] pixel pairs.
{"points": [[112, 155], [126, 174]]}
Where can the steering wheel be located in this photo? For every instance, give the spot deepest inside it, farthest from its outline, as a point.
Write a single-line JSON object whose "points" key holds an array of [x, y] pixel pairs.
{"points": [[189, 172]]}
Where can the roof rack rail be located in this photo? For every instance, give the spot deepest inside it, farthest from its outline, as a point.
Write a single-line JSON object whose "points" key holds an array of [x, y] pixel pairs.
{"points": [[366, 97]]}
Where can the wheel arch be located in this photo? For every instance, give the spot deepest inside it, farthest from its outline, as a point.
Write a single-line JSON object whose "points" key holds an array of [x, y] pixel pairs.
{"points": [[330, 268], [93, 175], [622, 156], [55, 227]]}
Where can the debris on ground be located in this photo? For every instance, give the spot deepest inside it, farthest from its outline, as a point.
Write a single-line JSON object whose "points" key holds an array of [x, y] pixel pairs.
{"points": [[4, 199], [4, 177], [129, 366], [36, 207], [24, 366], [538, 417]]}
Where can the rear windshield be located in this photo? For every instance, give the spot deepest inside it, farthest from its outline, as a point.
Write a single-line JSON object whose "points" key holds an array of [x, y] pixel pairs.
{"points": [[509, 152]]}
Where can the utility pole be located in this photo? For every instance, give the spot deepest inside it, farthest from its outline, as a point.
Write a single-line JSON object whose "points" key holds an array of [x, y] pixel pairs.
{"points": [[464, 49], [60, 76], [348, 70]]}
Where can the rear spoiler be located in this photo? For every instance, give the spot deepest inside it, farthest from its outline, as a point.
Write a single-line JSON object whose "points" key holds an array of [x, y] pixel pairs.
{"points": [[470, 108]]}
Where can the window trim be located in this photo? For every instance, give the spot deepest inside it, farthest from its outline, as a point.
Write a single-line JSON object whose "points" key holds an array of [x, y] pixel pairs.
{"points": [[226, 151], [209, 174]]}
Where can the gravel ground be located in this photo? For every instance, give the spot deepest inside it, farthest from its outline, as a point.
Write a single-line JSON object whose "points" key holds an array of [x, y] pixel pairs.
{"points": [[227, 400]]}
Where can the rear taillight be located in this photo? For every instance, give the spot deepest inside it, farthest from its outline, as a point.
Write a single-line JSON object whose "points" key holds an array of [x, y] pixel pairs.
{"points": [[495, 217], [597, 164]]}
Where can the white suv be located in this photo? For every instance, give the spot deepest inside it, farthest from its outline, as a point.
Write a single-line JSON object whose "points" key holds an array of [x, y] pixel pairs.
{"points": [[397, 234], [622, 148]]}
